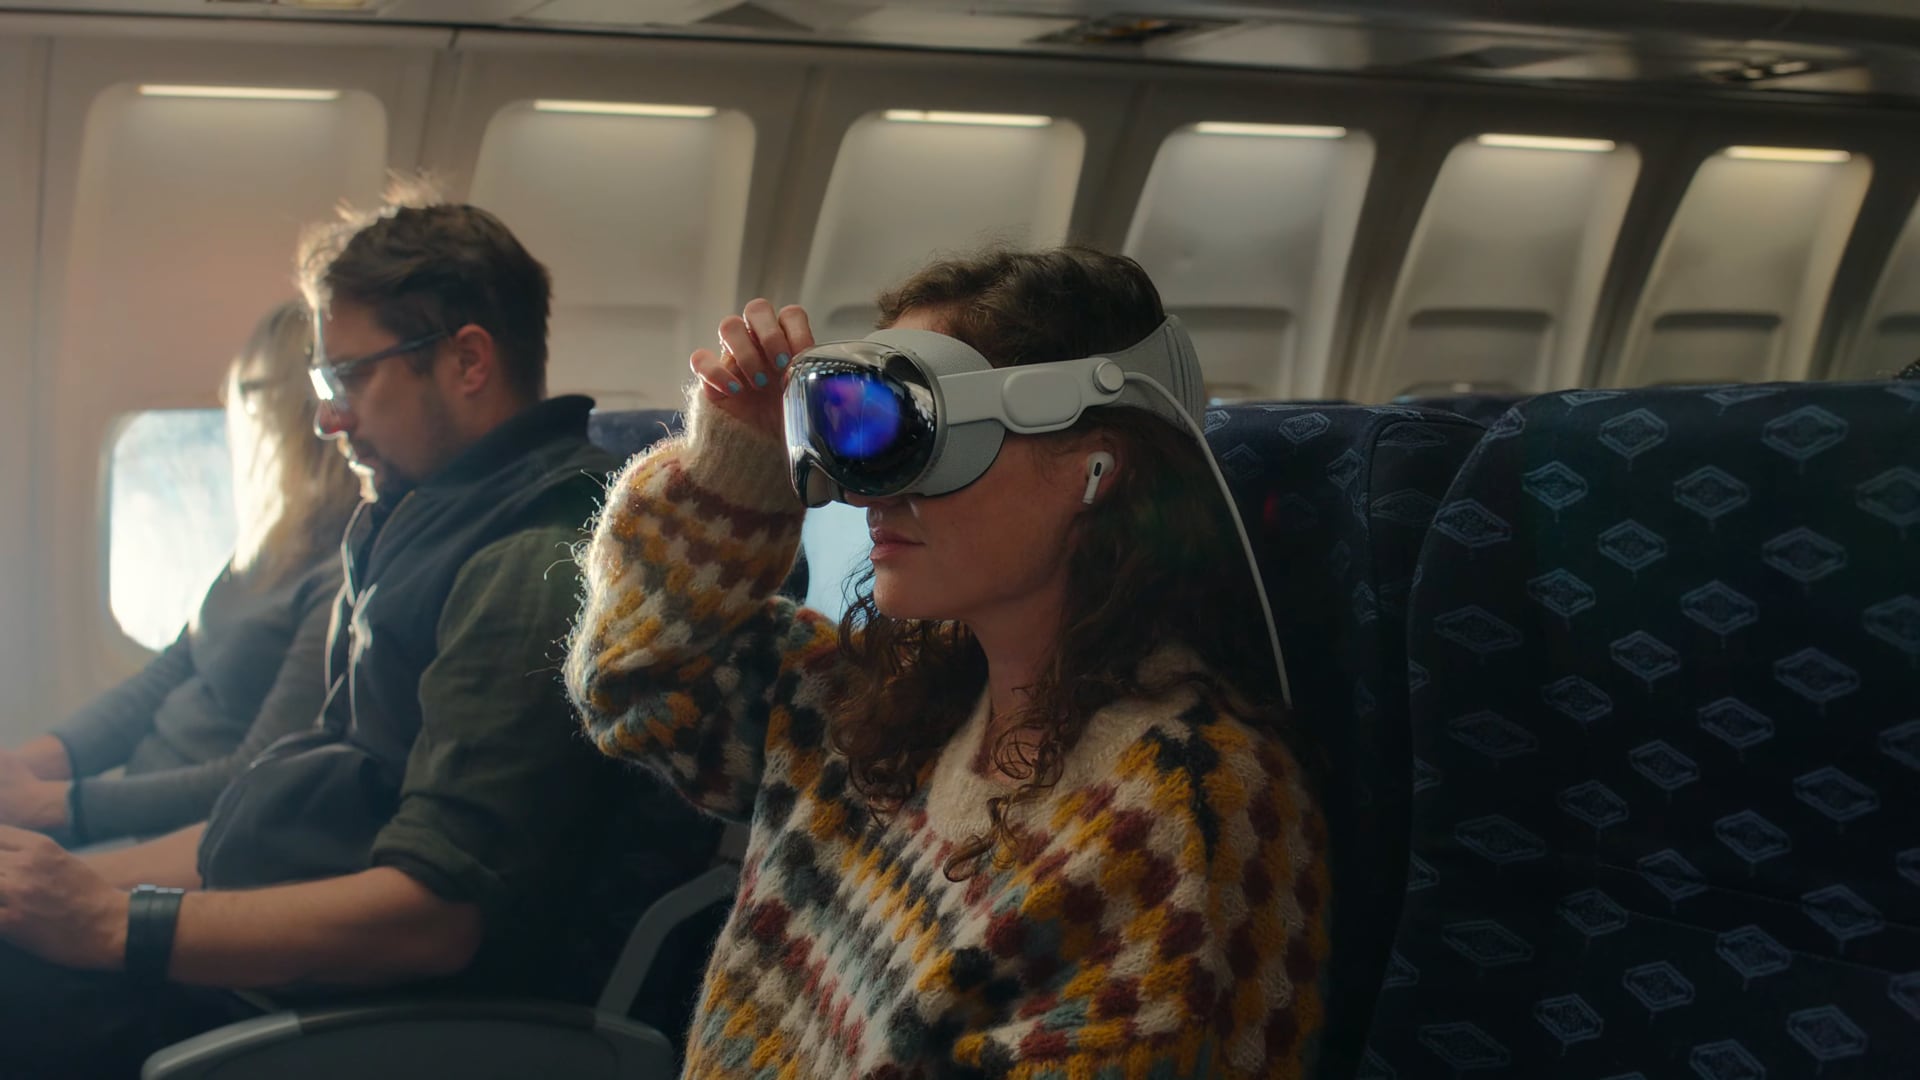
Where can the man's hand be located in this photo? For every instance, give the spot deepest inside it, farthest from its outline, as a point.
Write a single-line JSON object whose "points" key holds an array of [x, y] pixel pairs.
{"points": [[26, 801], [47, 757], [56, 907]]}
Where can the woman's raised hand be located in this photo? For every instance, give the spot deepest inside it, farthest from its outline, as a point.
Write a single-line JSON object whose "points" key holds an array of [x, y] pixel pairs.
{"points": [[747, 374]]}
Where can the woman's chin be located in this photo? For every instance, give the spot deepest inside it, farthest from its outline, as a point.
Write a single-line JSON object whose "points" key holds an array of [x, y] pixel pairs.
{"points": [[896, 600]]}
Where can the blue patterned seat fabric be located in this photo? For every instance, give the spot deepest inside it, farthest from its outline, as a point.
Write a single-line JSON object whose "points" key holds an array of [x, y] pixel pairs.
{"points": [[1666, 737], [1337, 500], [1484, 407]]}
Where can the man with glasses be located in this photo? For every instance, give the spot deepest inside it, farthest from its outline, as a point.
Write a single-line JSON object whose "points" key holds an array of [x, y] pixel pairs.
{"points": [[443, 820]]}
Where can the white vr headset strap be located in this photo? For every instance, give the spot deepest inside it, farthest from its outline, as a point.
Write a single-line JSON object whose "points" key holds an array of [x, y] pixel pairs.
{"points": [[1037, 398], [1033, 398], [1239, 526]]}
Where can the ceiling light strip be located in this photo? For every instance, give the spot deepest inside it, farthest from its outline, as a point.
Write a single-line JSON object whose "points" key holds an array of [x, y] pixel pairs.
{"points": [[937, 116], [1548, 142], [237, 93], [627, 108], [1802, 155], [1270, 131]]}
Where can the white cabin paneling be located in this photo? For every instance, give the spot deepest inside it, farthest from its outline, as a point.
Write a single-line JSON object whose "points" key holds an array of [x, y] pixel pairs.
{"points": [[1740, 284], [1504, 270], [639, 219], [1246, 231], [22, 78]]}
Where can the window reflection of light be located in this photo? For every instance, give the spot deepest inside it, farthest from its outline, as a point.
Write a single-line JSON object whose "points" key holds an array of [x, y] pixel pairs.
{"points": [[170, 522]]}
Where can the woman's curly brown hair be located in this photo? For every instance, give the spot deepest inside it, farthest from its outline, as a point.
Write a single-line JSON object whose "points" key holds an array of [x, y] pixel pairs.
{"points": [[1155, 561]]}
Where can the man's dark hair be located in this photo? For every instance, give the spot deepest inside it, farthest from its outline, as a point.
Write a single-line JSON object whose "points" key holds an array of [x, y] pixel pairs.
{"points": [[422, 265]]}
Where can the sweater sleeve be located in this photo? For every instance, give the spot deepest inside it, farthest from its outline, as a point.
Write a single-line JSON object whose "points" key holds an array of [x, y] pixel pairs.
{"points": [[158, 802], [683, 658], [102, 735], [1174, 926]]}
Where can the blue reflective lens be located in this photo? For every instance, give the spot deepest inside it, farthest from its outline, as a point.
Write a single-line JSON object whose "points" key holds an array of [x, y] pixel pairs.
{"points": [[857, 414]]}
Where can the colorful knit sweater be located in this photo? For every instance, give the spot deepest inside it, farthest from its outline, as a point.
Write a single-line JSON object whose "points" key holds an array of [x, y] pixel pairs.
{"points": [[1167, 920]]}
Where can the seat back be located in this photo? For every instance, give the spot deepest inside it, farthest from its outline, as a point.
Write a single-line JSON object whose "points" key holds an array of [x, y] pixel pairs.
{"points": [[477, 1040], [1336, 500], [1483, 407], [1666, 723], [624, 433]]}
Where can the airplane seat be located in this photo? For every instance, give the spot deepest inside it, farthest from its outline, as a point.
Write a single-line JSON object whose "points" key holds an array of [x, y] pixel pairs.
{"points": [[1666, 721], [479, 1038], [1484, 407], [625, 432], [1336, 499]]}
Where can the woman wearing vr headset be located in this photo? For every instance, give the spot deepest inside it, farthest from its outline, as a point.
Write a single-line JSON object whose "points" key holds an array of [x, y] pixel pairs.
{"points": [[1027, 811]]}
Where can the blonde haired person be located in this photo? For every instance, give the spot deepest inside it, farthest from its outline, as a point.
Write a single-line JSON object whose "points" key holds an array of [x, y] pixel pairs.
{"points": [[249, 665]]}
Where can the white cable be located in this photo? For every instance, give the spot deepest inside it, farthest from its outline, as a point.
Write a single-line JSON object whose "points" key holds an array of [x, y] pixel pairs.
{"points": [[1233, 510]]}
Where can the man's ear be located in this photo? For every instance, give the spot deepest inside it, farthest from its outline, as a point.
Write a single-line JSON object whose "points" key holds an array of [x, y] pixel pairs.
{"points": [[476, 359]]}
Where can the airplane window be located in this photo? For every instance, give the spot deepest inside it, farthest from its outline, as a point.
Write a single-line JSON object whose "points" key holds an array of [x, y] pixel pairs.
{"points": [[1739, 287], [1889, 337], [1502, 277], [170, 519], [908, 183], [1246, 229], [836, 542], [639, 210]]}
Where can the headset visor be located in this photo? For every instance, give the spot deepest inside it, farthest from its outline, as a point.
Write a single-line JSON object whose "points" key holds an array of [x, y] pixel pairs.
{"points": [[861, 413]]}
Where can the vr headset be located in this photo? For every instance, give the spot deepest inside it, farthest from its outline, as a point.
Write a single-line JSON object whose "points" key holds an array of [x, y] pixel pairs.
{"points": [[913, 412]]}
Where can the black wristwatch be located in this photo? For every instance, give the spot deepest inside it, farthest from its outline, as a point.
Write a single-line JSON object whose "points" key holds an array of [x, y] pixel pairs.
{"points": [[153, 912]]}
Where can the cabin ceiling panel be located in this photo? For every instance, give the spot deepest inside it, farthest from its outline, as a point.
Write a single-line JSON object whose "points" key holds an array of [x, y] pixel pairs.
{"points": [[1759, 48]]}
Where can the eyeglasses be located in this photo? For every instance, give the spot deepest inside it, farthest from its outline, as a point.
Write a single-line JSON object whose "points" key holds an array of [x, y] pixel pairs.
{"points": [[329, 379]]}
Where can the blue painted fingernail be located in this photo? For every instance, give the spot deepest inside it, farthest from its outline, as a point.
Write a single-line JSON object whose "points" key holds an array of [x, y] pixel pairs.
{"points": [[780, 361], [759, 378], [733, 387]]}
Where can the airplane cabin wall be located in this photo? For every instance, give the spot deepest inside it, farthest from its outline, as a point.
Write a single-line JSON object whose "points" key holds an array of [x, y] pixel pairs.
{"points": [[1887, 336], [168, 229], [137, 255], [22, 76], [637, 274]]}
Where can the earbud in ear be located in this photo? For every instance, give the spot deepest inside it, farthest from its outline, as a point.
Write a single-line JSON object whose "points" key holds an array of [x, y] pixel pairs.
{"points": [[1099, 464]]}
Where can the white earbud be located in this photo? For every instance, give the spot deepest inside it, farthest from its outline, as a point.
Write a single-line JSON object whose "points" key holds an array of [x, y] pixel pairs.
{"points": [[1099, 464]]}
